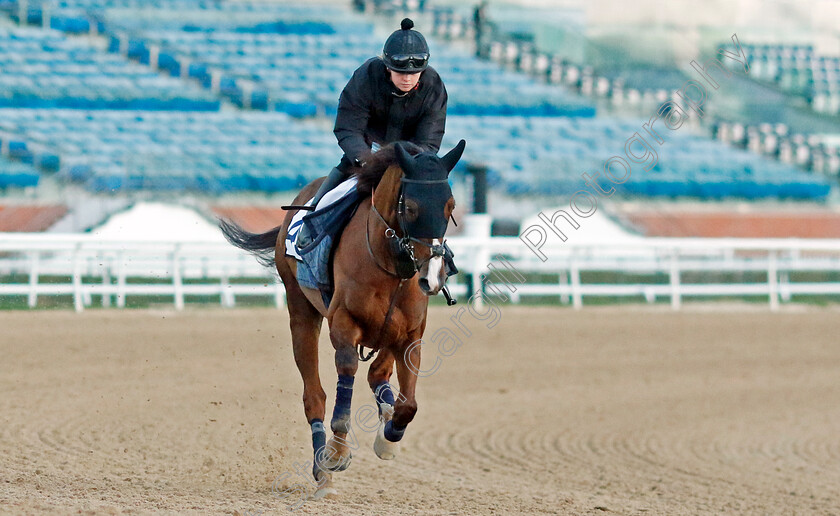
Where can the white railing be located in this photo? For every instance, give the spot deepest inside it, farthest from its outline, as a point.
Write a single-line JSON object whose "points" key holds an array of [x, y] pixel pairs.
{"points": [[774, 259], [82, 266]]}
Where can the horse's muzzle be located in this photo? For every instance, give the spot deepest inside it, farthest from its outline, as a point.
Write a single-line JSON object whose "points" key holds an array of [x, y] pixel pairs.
{"points": [[424, 286], [428, 288]]}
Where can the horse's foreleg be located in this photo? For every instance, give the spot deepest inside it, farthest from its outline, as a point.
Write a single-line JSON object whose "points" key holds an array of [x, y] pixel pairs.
{"points": [[344, 335], [305, 322], [387, 443]]}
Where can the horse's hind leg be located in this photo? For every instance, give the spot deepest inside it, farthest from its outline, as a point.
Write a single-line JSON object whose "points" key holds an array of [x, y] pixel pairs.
{"points": [[378, 378], [379, 375], [306, 327]]}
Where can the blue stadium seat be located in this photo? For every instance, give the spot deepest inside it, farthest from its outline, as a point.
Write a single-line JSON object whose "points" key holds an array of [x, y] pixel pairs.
{"points": [[216, 152], [64, 73], [17, 175], [535, 155]]}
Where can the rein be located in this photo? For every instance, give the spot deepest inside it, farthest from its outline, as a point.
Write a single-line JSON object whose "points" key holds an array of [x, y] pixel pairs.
{"points": [[436, 250], [406, 263], [402, 246], [374, 348], [390, 234]]}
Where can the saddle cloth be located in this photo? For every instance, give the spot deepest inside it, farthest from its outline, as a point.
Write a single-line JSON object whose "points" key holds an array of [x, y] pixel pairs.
{"points": [[326, 223]]}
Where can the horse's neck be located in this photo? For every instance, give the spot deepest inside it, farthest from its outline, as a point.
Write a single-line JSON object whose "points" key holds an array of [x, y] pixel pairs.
{"points": [[386, 194]]}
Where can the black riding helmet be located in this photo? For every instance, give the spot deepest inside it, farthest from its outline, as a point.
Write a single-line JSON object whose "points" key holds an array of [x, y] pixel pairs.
{"points": [[406, 50]]}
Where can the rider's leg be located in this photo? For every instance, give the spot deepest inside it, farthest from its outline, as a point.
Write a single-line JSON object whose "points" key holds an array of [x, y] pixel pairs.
{"points": [[336, 176]]}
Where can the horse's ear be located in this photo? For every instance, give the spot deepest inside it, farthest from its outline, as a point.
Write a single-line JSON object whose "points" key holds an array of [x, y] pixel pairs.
{"points": [[451, 159], [404, 159]]}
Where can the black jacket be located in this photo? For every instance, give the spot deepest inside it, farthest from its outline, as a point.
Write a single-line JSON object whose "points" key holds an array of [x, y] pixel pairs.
{"points": [[371, 110]]}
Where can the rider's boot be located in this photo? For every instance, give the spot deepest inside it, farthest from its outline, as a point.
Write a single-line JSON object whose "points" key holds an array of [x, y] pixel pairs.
{"points": [[335, 178]]}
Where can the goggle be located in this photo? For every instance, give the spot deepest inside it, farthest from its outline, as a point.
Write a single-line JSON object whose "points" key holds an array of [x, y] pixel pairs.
{"points": [[411, 61]]}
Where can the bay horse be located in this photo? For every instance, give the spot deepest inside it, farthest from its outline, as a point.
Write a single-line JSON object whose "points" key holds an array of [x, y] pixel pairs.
{"points": [[388, 261]]}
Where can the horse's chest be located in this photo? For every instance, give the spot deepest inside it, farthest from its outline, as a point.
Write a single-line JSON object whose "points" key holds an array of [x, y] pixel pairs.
{"points": [[383, 330]]}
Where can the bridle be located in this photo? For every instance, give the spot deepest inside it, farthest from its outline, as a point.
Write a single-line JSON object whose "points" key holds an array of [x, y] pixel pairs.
{"points": [[402, 247], [405, 262]]}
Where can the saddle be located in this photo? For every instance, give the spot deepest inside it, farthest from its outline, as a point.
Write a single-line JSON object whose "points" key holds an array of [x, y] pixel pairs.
{"points": [[326, 223]]}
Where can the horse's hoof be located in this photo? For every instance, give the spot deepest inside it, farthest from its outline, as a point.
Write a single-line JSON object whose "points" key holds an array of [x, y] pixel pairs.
{"points": [[385, 449], [324, 492], [325, 487], [336, 465], [332, 459]]}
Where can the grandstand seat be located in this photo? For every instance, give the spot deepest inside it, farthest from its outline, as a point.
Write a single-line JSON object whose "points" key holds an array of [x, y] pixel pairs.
{"points": [[64, 73], [292, 50], [17, 175], [281, 60], [528, 154]]}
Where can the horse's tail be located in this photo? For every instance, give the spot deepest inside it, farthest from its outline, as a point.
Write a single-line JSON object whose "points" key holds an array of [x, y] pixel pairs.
{"points": [[261, 245]]}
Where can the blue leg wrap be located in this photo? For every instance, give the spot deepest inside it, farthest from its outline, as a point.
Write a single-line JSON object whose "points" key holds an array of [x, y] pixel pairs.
{"points": [[383, 394], [343, 397], [393, 433], [319, 441]]}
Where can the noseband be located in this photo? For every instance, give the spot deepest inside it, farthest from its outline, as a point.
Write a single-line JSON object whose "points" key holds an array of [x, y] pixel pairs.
{"points": [[402, 247]]}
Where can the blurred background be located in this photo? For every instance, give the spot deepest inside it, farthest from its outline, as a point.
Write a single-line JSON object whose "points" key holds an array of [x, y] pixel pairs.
{"points": [[127, 120]]}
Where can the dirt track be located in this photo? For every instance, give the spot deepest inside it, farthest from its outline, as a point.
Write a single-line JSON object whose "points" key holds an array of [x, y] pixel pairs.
{"points": [[629, 411]]}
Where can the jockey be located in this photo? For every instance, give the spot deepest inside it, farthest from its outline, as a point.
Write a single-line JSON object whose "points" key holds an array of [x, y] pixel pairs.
{"points": [[395, 97]]}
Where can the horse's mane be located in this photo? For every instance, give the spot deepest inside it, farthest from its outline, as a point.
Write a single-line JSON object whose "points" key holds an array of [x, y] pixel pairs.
{"points": [[377, 163]]}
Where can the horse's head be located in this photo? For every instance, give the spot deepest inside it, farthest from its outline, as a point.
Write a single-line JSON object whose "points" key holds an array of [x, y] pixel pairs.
{"points": [[424, 208]]}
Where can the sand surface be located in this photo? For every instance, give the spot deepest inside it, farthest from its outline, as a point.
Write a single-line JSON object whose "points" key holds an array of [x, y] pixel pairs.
{"points": [[606, 410]]}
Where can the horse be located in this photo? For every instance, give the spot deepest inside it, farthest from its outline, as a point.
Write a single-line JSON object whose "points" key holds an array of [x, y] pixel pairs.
{"points": [[387, 263]]}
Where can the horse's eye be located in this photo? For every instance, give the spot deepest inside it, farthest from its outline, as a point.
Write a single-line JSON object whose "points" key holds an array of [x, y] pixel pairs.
{"points": [[411, 211]]}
